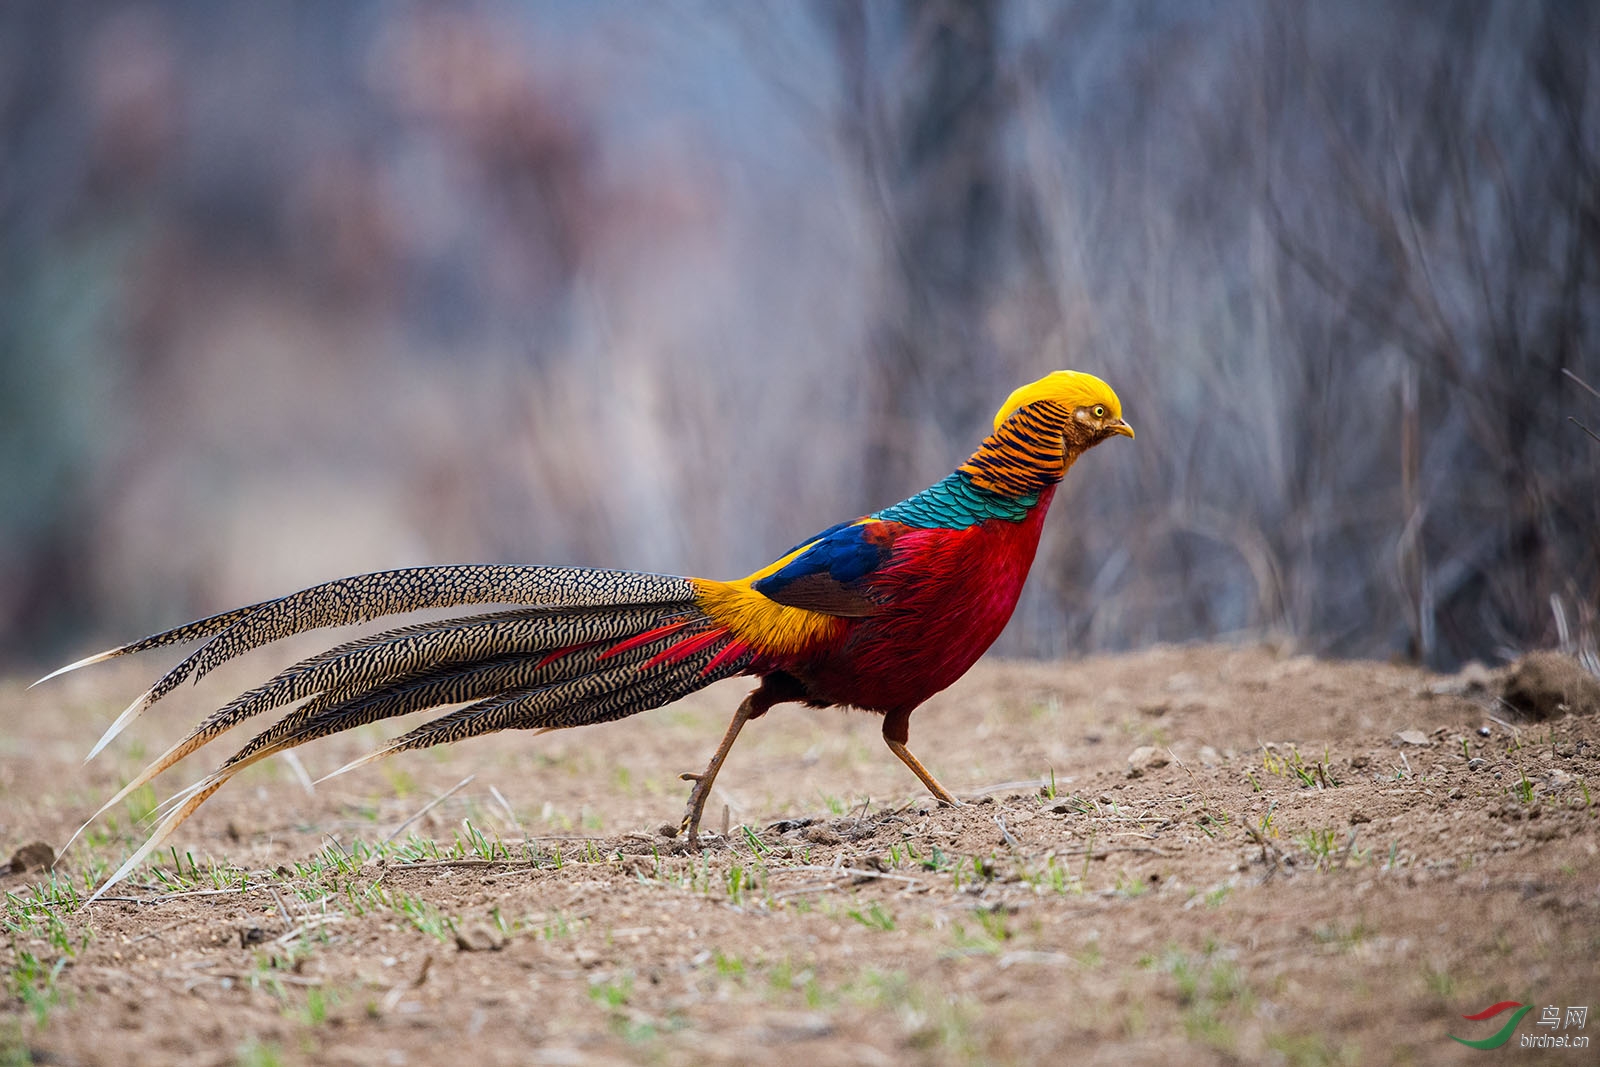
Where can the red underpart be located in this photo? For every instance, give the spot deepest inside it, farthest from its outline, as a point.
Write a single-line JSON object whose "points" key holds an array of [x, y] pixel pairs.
{"points": [[947, 594]]}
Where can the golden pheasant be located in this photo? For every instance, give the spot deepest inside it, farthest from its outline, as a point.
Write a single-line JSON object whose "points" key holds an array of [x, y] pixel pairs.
{"points": [[878, 613]]}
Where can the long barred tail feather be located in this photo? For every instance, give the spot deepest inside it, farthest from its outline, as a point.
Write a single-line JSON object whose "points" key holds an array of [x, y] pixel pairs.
{"points": [[174, 819], [364, 597], [192, 631], [360, 666], [573, 659], [368, 695], [504, 678], [612, 695], [583, 700]]}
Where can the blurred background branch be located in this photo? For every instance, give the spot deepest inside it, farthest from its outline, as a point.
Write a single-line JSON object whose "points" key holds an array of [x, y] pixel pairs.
{"points": [[288, 292]]}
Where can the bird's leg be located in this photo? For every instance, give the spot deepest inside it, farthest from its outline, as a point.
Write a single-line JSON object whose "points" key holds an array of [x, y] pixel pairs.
{"points": [[702, 781], [896, 732], [940, 793]]}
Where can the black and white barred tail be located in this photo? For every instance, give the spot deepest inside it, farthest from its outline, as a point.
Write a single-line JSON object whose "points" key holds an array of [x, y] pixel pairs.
{"points": [[588, 646]]}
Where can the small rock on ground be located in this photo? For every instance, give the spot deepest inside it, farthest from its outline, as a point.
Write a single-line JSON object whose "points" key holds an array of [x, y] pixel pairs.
{"points": [[1547, 685], [1145, 758], [36, 856]]}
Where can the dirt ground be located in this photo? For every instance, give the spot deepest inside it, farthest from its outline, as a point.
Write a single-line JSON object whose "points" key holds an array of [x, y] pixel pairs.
{"points": [[1219, 854]]}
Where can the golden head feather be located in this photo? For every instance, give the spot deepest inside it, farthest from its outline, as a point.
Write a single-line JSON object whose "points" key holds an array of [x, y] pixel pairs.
{"points": [[1073, 390]]}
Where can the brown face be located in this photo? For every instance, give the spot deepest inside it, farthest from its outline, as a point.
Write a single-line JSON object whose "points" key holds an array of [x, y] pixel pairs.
{"points": [[1094, 423]]}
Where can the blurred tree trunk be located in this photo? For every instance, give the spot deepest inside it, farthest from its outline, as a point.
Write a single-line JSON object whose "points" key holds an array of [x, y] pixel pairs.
{"points": [[928, 152], [1469, 246]]}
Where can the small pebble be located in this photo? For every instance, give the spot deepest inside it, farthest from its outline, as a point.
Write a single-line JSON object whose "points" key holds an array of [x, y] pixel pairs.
{"points": [[479, 938]]}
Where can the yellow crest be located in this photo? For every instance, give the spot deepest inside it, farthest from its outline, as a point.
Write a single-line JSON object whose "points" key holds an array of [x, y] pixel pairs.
{"points": [[1070, 388]]}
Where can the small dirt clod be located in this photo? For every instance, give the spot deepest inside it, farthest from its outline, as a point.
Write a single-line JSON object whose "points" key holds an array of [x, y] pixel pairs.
{"points": [[1145, 758], [35, 856], [479, 938], [1547, 685]]}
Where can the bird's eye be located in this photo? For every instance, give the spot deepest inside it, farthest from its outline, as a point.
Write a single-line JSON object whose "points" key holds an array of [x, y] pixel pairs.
{"points": [[1099, 411]]}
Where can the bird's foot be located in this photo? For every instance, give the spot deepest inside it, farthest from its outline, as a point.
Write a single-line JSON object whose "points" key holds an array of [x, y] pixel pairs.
{"points": [[702, 782], [690, 827]]}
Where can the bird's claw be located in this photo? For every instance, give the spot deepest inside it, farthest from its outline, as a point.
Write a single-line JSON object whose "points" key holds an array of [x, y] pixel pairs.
{"points": [[690, 827]]}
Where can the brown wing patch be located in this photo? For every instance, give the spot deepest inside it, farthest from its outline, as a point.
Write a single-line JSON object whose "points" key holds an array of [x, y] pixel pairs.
{"points": [[823, 593]]}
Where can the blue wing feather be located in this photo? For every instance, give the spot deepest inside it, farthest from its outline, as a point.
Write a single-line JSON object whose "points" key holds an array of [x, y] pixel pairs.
{"points": [[824, 535], [826, 576]]}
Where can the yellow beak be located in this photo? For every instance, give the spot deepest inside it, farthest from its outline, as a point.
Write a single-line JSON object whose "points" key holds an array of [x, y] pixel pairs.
{"points": [[1120, 427]]}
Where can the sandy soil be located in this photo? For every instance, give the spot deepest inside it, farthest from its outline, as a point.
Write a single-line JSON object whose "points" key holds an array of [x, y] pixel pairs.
{"points": [[1305, 862]]}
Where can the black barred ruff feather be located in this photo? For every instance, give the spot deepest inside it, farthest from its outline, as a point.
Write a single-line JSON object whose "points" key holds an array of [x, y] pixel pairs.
{"points": [[1026, 454]]}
